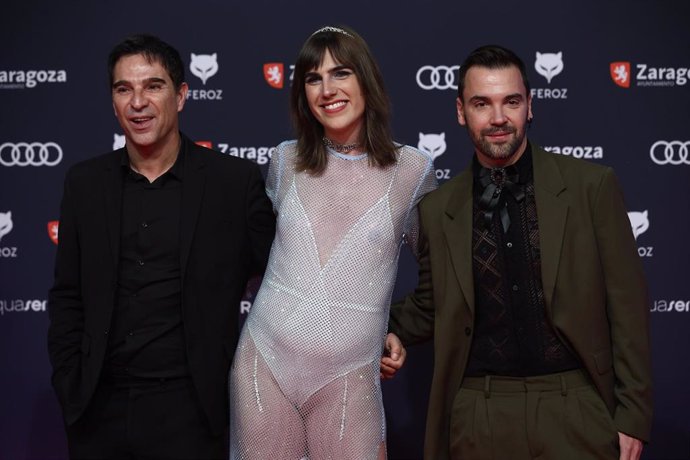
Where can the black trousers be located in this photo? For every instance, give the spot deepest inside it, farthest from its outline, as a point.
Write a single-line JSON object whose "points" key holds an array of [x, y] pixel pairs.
{"points": [[144, 420]]}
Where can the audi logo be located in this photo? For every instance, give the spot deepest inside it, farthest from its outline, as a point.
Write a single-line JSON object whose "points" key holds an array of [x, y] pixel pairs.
{"points": [[30, 154], [670, 152], [439, 77]]}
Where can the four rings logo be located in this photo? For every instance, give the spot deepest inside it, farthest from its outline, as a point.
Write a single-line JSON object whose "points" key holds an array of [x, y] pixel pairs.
{"points": [[30, 154], [438, 77], [670, 152]]}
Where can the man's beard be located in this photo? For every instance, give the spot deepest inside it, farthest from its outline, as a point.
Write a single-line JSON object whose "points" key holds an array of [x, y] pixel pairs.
{"points": [[502, 151]]}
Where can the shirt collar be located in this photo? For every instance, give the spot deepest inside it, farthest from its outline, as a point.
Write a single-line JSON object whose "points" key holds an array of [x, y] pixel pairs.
{"points": [[177, 169], [523, 165]]}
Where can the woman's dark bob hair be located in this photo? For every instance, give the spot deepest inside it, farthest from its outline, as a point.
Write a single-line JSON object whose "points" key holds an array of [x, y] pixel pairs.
{"points": [[350, 50]]}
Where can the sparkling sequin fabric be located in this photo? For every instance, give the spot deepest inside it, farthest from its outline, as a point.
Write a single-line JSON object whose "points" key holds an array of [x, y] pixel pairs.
{"points": [[305, 379]]}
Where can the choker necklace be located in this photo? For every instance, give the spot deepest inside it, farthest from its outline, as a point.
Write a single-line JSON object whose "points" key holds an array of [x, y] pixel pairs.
{"points": [[341, 148]]}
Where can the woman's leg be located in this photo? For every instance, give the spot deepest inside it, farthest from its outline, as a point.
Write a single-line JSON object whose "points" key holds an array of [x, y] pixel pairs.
{"points": [[263, 422], [345, 418]]}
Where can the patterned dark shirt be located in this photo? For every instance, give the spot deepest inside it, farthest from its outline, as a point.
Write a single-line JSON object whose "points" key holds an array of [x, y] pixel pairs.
{"points": [[513, 336]]}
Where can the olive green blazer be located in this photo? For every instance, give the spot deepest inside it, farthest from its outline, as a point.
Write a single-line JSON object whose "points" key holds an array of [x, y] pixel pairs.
{"points": [[594, 289]]}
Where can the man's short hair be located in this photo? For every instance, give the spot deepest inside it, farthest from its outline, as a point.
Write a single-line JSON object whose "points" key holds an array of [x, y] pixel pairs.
{"points": [[154, 50], [491, 57]]}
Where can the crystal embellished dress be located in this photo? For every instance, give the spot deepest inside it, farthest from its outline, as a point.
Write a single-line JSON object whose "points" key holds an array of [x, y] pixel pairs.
{"points": [[305, 378]]}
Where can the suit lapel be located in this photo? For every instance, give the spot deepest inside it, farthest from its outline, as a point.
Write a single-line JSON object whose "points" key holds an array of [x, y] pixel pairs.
{"points": [[112, 193], [457, 227], [194, 180], [552, 211]]}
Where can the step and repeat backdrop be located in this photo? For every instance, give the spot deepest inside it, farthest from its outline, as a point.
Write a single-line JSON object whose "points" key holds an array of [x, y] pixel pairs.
{"points": [[609, 85]]}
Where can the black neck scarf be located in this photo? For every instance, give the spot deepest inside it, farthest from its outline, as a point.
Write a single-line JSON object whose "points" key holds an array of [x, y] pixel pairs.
{"points": [[493, 182]]}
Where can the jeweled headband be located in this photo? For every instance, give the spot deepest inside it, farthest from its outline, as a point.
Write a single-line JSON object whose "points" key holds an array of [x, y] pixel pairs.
{"points": [[333, 29]]}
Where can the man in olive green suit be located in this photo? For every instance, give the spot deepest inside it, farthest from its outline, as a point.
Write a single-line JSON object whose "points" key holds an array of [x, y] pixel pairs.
{"points": [[531, 286]]}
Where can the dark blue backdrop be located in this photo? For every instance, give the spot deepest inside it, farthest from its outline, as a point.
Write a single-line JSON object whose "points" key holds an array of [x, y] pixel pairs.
{"points": [[55, 102]]}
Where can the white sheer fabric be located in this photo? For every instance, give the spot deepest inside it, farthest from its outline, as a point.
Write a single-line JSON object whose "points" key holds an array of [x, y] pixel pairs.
{"points": [[305, 379]]}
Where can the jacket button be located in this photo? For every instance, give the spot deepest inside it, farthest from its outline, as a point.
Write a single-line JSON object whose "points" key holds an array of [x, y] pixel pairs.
{"points": [[468, 331], [105, 332]]}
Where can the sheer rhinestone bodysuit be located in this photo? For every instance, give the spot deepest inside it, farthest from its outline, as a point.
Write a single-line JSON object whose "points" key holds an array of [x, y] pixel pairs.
{"points": [[305, 378]]}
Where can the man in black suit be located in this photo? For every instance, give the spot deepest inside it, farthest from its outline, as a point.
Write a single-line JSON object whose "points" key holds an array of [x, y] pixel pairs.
{"points": [[157, 242]]}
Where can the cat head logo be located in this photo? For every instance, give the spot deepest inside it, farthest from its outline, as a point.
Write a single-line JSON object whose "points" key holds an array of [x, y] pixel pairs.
{"points": [[549, 65], [639, 222], [274, 74], [118, 141], [5, 223], [53, 227], [620, 73], [433, 144], [204, 66]]}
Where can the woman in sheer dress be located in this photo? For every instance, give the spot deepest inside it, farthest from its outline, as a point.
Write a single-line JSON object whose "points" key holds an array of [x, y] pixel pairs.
{"points": [[305, 378]]}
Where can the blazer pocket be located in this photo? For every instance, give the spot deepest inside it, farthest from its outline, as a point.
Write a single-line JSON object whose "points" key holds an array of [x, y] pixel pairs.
{"points": [[85, 345], [603, 360]]}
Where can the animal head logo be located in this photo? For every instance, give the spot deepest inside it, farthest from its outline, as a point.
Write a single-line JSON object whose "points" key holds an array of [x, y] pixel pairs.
{"points": [[549, 64], [118, 141], [434, 144], [5, 223], [639, 221], [204, 66]]}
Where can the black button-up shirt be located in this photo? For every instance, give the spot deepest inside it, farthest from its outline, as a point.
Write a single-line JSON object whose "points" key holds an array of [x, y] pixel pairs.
{"points": [[147, 336]]}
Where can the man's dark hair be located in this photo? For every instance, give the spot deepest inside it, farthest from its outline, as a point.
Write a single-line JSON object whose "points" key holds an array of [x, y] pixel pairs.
{"points": [[491, 57], [154, 50]]}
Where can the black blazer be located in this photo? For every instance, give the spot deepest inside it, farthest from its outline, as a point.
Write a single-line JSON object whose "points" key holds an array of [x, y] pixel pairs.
{"points": [[226, 229]]}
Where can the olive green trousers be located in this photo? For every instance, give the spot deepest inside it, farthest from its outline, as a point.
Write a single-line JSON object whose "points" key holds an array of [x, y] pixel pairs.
{"points": [[557, 416]]}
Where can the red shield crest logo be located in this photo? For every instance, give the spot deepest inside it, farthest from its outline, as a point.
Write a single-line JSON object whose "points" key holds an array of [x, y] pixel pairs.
{"points": [[620, 73], [53, 226], [207, 144], [274, 74]]}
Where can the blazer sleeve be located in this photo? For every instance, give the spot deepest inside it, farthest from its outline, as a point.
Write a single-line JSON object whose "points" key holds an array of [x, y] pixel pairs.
{"points": [[65, 305], [628, 310], [261, 221], [412, 319]]}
